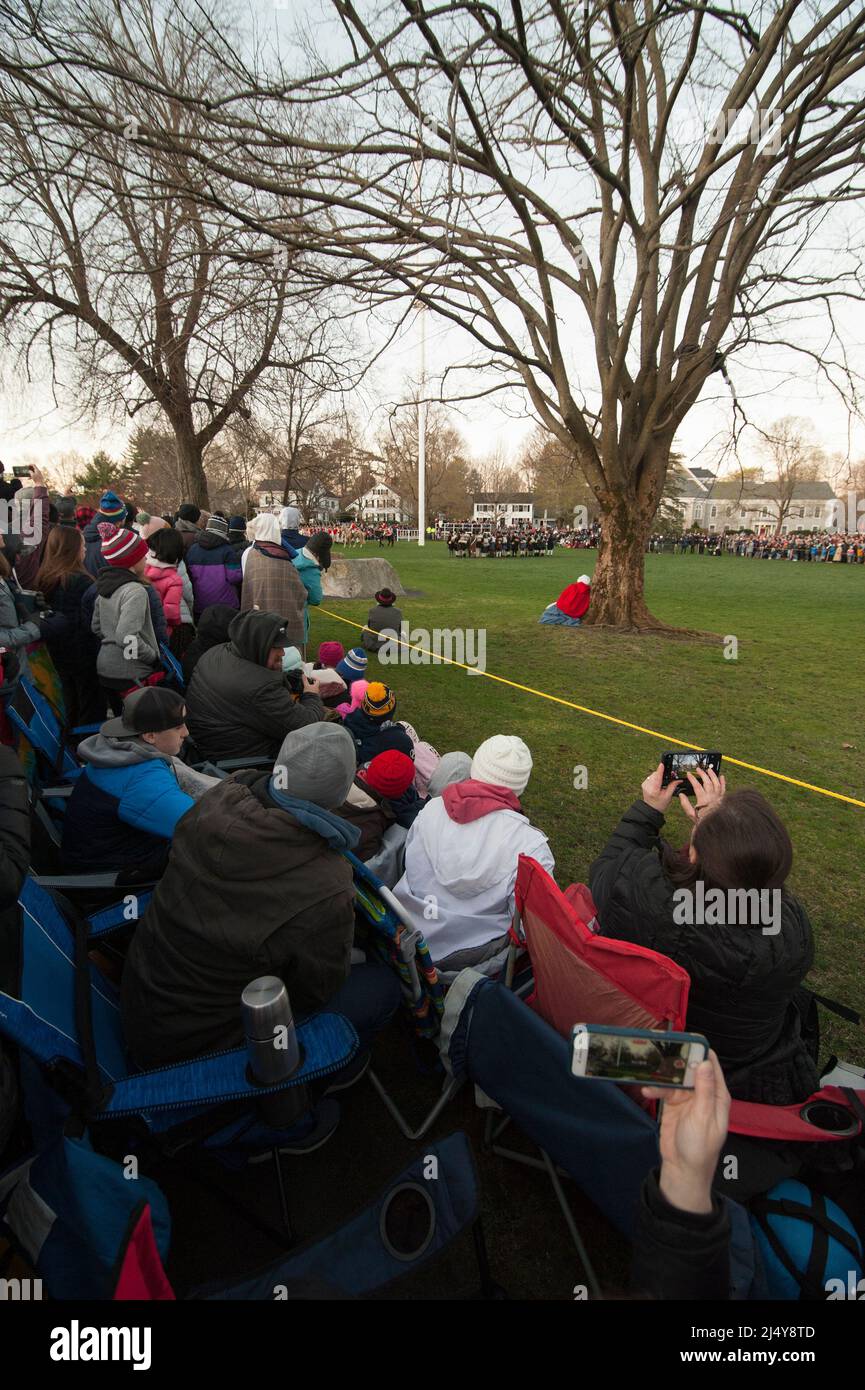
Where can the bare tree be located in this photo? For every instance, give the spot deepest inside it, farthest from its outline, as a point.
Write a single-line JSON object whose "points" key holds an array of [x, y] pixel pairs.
{"points": [[794, 458], [643, 181], [115, 260]]}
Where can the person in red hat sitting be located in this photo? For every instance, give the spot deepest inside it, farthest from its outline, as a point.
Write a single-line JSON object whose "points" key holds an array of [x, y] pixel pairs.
{"points": [[571, 606]]}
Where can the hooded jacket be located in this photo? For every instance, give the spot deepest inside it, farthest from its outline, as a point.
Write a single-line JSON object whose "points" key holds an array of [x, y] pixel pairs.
{"points": [[372, 736], [237, 707], [248, 892], [271, 583], [129, 648], [461, 854], [123, 808], [310, 574], [169, 586], [212, 629], [94, 561], [742, 979], [214, 568]]}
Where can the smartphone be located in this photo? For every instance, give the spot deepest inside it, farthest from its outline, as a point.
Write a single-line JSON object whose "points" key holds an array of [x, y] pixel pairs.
{"points": [[637, 1055], [21, 470], [677, 764]]}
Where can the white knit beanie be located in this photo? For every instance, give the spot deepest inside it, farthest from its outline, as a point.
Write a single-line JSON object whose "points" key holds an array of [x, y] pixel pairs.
{"points": [[504, 761]]}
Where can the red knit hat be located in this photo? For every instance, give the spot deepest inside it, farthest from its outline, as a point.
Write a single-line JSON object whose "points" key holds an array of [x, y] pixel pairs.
{"points": [[331, 653], [121, 548], [390, 773]]}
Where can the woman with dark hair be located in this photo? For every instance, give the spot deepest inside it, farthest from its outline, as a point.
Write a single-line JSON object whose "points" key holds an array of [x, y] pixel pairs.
{"points": [[64, 580], [721, 910]]}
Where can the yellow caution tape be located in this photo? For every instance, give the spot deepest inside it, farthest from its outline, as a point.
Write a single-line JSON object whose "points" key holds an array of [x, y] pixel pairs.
{"points": [[599, 714]]}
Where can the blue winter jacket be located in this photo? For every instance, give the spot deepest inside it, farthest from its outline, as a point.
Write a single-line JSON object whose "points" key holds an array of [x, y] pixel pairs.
{"points": [[123, 808]]}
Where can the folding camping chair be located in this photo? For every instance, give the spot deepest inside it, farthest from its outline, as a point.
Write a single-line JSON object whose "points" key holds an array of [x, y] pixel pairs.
{"points": [[581, 976], [401, 946], [34, 718], [67, 1022]]}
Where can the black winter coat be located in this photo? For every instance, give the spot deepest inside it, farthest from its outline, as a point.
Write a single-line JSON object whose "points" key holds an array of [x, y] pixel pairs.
{"points": [[743, 981], [71, 641], [237, 707], [248, 891]]}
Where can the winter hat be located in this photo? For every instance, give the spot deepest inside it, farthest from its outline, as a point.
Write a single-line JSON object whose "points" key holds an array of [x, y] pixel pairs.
{"points": [[156, 523], [353, 666], [394, 736], [142, 518], [390, 774], [379, 702], [330, 653], [112, 508], [503, 761], [454, 767], [218, 526], [291, 659], [385, 597], [317, 763], [357, 691], [289, 519], [121, 548], [187, 511], [237, 523], [584, 579]]}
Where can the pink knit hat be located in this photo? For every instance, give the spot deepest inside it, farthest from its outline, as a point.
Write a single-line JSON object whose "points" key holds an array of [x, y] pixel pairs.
{"points": [[330, 653]]}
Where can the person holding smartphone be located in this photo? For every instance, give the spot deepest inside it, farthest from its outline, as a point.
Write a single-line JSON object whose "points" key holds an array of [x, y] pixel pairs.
{"points": [[744, 974]]}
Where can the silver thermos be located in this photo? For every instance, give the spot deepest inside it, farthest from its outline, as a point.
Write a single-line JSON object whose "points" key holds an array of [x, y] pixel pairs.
{"points": [[274, 1054]]}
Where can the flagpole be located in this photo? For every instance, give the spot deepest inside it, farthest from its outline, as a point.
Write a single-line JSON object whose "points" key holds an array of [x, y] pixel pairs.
{"points": [[421, 437]]}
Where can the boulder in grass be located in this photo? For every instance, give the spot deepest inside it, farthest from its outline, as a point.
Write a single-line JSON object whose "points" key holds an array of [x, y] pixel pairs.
{"points": [[360, 578]]}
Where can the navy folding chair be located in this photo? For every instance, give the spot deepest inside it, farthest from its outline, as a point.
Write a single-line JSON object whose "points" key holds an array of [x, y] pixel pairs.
{"points": [[67, 1022]]}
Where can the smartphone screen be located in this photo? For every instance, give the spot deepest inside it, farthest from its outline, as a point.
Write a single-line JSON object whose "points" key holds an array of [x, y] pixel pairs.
{"points": [[677, 765], [20, 470], [648, 1061]]}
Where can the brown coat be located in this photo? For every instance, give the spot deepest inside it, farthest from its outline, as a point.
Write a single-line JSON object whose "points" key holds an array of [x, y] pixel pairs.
{"points": [[271, 582], [248, 891]]}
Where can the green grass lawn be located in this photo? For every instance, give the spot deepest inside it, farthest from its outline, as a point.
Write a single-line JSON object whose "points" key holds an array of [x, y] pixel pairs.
{"points": [[790, 702]]}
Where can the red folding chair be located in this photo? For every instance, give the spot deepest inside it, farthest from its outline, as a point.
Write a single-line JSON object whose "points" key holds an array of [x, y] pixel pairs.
{"points": [[583, 977]]}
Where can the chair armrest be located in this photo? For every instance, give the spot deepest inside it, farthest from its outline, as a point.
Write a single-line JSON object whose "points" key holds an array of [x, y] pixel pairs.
{"points": [[66, 883], [328, 1042]]}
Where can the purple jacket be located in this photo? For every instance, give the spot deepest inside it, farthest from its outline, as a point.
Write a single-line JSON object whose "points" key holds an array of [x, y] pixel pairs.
{"points": [[214, 568]]}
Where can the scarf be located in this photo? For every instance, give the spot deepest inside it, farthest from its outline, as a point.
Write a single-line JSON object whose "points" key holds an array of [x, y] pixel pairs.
{"points": [[337, 833]]}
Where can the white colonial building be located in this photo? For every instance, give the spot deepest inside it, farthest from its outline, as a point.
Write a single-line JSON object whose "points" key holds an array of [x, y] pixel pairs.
{"points": [[380, 503], [316, 504], [517, 510], [751, 504]]}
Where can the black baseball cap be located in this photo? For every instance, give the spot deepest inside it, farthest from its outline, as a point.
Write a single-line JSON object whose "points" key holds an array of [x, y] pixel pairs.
{"points": [[148, 711]]}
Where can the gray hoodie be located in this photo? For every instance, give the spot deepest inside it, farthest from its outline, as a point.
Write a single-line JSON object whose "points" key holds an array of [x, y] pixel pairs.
{"points": [[103, 752]]}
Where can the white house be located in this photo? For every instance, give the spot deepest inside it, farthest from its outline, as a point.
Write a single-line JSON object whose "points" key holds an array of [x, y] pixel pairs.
{"points": [[518, 509], [751, 504], [380, 503], [316, 504]]}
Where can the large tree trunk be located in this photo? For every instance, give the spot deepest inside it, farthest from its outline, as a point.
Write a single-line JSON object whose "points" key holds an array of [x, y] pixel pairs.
{"points": [[193, 483], [617, 583]]}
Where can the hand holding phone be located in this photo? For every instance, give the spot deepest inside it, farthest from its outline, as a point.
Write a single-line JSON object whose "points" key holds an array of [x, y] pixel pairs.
{"points": [[679, 765], [693, 1130], [667, 1061], [21, 470]]}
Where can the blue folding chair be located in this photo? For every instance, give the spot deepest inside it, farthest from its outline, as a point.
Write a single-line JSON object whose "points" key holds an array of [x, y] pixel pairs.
{"points": [[172, 667], [401, 946], [67, 1023], [34, 718]]}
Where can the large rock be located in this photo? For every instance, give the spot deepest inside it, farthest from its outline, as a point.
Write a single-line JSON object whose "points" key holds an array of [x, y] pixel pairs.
{"points": [[360, 578]]}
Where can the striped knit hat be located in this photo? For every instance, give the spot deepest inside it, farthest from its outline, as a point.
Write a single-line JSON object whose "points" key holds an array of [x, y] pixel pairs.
{"points": [[217, 526], [112, 508], [121, 548], [353, 666], [379, 702]]}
